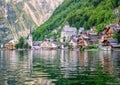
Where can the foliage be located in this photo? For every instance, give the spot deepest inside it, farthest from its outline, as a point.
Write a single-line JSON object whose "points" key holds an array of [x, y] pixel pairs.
{"points": [[79, 13], [22, 44], [90, 47], [86, 76], [117, 36]]}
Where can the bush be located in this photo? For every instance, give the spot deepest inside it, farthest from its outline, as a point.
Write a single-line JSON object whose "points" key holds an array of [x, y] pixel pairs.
{"points": [[91, 47]]}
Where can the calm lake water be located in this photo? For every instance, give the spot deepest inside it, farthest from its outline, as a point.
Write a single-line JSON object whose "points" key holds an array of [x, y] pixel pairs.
{"points": [[59, 67]]}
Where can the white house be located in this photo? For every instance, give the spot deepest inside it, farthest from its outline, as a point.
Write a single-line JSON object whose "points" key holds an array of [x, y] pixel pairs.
{"points": [[81, 29], [67, 32], [48, 45]]}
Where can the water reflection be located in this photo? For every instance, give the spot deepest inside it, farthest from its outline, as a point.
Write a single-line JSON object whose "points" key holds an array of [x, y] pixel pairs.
{"points": [[106, 61], [49, 67]]}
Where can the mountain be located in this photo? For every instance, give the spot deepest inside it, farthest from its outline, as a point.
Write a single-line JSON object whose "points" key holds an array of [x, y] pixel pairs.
{"points": [[80, 13], [4, 31], [22, 15]]}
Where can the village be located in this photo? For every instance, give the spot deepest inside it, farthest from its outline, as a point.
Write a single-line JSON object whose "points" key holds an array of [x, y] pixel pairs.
{"points": [[77, 39]]}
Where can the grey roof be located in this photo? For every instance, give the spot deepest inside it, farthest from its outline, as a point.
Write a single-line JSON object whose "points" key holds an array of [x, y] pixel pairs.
{"points": [[75, 40], [116, 46], [54, 42], [36, 43], [69, 29], [114, 27], [111, 40]]}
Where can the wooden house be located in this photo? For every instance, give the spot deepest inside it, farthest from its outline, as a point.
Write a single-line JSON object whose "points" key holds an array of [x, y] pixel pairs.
{"points": [[11, 44], [81, 42], [109, 42], [110, 30], [89, 40]]}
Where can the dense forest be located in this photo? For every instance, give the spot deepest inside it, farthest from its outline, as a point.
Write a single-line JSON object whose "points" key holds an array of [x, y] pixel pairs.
{"points": [[80, 13]]}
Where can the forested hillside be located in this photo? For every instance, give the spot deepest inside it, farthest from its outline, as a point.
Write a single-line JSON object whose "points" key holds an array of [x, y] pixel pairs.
{"points": [[80, 13]]}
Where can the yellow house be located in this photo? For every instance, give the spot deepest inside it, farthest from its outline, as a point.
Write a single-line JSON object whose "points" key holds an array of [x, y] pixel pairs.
{"points": [[11, 44]]}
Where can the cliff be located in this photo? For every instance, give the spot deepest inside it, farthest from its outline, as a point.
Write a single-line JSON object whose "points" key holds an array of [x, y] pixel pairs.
{"points": [[21, 15]]}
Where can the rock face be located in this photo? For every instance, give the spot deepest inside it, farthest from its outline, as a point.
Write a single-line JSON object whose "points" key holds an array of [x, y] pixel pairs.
{"points": [[4, 31], [23, 15]]}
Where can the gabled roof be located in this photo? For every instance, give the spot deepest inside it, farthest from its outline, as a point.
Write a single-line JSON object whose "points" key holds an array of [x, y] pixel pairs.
{"points": [[67, 28], [116, 46], [111, 40], [13, 41], [114, 27], [54, 42], [74, 39], [36, 43]]}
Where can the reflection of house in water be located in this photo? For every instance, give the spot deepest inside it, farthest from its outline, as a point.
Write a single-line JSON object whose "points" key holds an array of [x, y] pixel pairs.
{"points": [[83, 58], [69, 62], [63, 58], [48, 54], [69, 58], [39, 81], [87, 59], [116, 62], [2, 59], [29, 62], [11, 59], [73, 58], [106, 61]]}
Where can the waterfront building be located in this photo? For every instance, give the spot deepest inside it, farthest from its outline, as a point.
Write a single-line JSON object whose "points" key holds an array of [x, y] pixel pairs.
{"points": [[11, 44], [49, 45], [67, 32]]}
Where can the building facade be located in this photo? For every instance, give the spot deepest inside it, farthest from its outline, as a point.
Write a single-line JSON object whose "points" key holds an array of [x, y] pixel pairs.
{"points": [[67, 32]]}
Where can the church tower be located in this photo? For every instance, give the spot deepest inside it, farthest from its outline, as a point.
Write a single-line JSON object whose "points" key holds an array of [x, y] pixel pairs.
{"points": [[30, 39]]}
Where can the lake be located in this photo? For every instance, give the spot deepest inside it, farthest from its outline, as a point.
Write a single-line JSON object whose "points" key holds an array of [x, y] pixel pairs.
{"points": [[59, 67]]}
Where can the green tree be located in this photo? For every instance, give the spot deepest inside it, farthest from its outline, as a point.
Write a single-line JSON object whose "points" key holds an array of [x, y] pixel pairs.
{"points": [[79, 13], [21, 44], [117, 36]]}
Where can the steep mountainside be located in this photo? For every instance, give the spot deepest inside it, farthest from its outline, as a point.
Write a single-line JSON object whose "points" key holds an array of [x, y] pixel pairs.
{"points": [[80, 13], [4, 31], [21, 15]]}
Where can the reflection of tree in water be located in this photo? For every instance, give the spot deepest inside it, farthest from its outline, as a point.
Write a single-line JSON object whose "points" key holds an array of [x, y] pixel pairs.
{"points": [[116, 60], [89, 71], [21, 54]]}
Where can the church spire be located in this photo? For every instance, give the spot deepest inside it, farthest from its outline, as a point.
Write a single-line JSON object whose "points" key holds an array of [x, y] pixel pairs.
{"points": [[30, 30]]}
